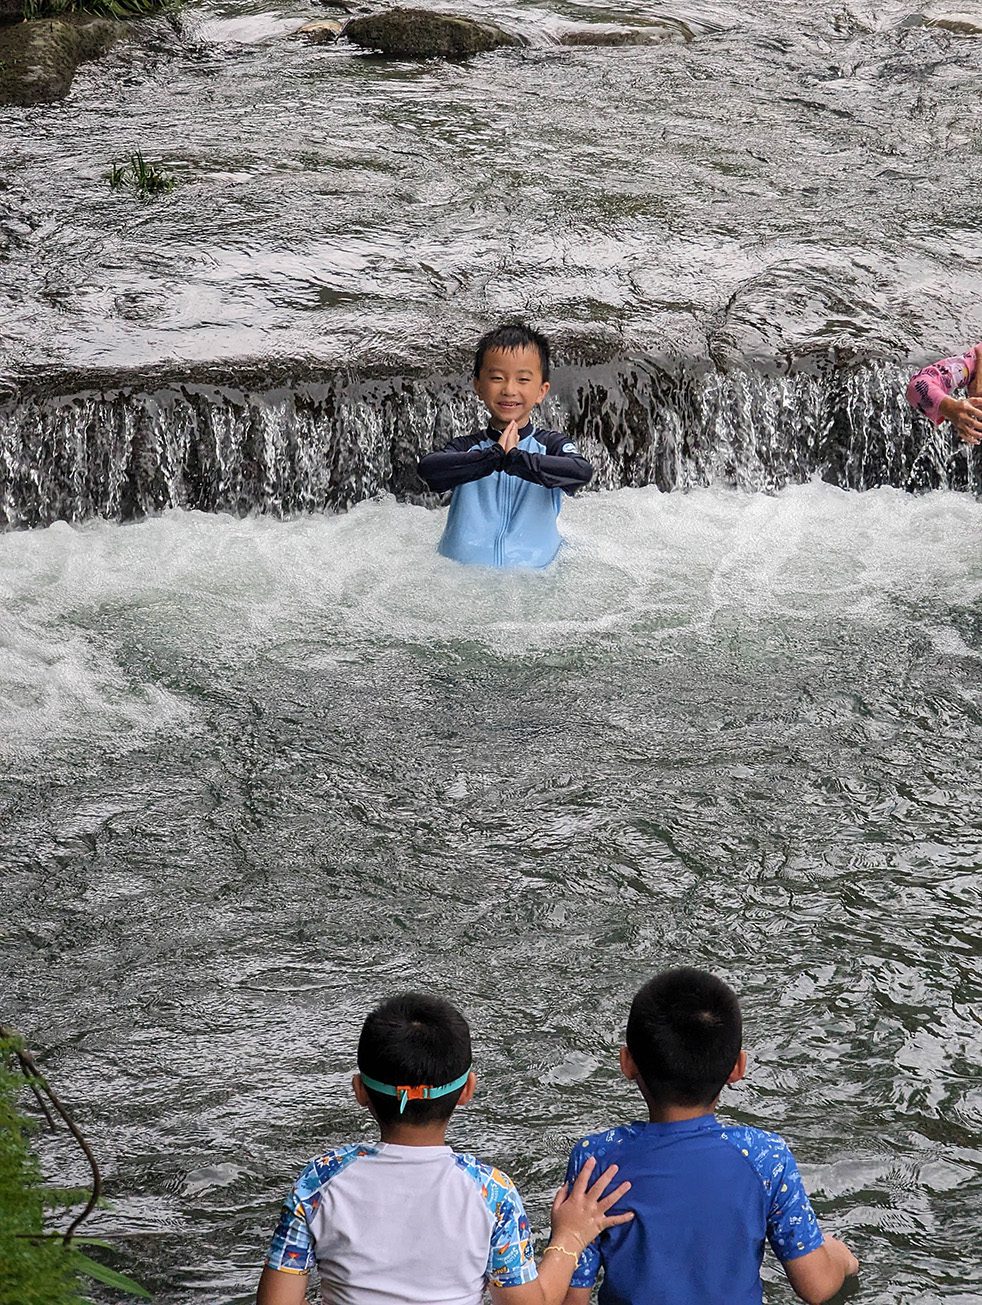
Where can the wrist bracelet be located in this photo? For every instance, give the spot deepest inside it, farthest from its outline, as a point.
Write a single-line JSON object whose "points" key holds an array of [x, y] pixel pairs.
{"points": [[562, 1250]]}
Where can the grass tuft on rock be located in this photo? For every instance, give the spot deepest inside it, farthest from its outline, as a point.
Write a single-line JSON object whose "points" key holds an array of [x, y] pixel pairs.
{"points": [[148, 179]]}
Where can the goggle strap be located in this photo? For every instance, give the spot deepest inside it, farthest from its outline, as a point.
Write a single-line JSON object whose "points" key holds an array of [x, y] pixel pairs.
{"points": [[406, 1092]]}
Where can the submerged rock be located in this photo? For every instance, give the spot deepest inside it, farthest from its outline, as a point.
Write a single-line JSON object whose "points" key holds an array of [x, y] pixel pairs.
{"points": [[422, 34], [323, 32], [38, 59], [652, 34], [963, 22]]}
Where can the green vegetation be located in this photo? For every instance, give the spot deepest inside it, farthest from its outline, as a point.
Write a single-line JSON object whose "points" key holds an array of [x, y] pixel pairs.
{"points": [[101, 8], [147, 179], [38, 1267], [34, 1269]]}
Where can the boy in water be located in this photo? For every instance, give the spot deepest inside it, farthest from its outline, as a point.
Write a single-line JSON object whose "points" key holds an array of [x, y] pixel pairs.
{"points": [[508, 480], [406, 1220], [705, 1194]]}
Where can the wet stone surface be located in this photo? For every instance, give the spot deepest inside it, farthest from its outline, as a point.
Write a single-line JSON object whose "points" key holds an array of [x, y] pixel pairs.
{"points": [[39, 59], [423, 34]]}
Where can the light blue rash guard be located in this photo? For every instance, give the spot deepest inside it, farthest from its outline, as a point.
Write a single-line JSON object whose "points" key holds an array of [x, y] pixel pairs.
{"points": [[505, 506]]}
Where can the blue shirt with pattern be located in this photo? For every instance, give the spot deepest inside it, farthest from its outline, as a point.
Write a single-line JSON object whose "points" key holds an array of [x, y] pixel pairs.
{"points": [[705, 1195]]}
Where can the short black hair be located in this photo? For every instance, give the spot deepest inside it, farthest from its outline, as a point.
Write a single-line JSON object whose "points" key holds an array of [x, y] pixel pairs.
{"points": [[414, 1039], [684, 1033], [513, 335]]}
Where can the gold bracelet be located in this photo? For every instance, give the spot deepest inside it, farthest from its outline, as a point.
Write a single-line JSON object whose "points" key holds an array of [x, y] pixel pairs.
{"points": [[562, 1250]]}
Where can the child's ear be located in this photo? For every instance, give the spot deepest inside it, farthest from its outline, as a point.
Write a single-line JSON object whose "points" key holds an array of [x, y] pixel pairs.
{"points": [[361, 1096], [543, 392], [468, 1090], [628, 1067], [739, 1070]]}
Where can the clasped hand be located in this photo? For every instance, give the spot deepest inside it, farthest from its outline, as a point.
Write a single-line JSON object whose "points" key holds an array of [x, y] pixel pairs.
{"points": [[509, 437]]}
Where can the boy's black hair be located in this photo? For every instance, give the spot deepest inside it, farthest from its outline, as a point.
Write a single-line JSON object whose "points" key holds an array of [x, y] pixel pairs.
{"points": [[684, 1033], [513, 335], [411, 1040]]}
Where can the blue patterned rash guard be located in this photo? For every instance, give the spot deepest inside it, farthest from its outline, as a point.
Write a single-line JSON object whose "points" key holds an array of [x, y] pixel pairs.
{"points": [[705, 1196], [505, 506], [403, 1225]]}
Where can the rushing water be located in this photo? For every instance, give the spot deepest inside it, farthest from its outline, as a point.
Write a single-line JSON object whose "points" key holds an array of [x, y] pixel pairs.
{"points": [[259, 773], [792, 177], [256, 773]]}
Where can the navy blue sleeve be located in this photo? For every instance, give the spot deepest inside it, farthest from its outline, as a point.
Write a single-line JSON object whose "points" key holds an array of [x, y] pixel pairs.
{"points": [[460, 462], [560, 467]]}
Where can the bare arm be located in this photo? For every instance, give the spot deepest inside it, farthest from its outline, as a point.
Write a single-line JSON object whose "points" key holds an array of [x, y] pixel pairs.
{"points": [[578, 1216], [277, 1287], [817, 1276], [549, 1288], [931, 392]]}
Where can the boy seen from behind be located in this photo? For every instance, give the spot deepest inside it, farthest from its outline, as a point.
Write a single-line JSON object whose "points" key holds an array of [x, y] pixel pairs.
{"points": [[509, 479], [406, 1220], [706, 1194]]}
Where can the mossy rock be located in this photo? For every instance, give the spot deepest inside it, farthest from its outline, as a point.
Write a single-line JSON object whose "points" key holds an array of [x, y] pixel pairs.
{"points": [[423, 34], [38, 59]]}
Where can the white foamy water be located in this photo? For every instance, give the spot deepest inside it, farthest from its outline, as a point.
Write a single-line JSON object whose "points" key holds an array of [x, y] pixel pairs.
{"points": [[257, 774], [93, 616]]}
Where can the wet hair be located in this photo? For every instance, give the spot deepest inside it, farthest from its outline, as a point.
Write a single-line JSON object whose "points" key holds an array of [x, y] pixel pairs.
{"points": [[414, 1040], [684, 1034], [513, 335]]}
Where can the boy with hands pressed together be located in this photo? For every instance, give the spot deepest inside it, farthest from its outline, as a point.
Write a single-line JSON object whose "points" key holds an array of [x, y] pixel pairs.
{"points": [[705, 1194], [408, 1221], [509, 479]]}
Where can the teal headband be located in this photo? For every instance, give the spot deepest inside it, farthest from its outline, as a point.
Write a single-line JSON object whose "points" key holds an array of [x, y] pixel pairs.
{"points": [[414, 1093]]}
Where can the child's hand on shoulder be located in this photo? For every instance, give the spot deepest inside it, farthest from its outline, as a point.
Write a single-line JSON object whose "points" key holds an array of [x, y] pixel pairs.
{"points": [[579, 1214]]}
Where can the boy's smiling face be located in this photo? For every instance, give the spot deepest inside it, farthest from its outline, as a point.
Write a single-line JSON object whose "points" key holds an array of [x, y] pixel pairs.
{"points": [[510, 384]]}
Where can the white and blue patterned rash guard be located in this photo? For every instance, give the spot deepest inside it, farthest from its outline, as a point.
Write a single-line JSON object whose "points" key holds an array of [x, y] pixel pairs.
{"points": [[403, 1225], [705, 1196]]}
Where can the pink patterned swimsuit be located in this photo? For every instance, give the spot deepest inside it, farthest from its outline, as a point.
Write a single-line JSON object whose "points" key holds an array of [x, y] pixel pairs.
{"points": [[932, 384]]}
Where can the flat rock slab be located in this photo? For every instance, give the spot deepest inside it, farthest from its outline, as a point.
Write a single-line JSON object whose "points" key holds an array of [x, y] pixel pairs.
{"points": [[963, 22], [651, 34], [38, 59], [423, 34]]}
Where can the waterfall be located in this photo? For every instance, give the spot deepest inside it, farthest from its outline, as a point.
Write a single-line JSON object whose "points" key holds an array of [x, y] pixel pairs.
{"points": [[122, 451]]}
